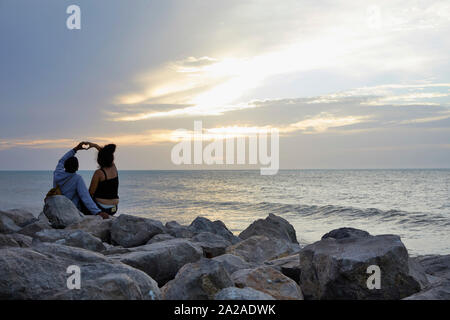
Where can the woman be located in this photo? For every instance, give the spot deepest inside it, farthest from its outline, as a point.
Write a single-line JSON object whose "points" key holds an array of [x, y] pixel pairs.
{"points": [[105, 182]]}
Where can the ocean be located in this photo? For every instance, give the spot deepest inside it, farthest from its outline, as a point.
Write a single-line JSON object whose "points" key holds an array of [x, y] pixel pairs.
{"points": [[412, 203]]}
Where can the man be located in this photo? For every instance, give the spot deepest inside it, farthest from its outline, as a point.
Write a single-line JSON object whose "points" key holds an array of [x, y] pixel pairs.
{"points": [[72, 184]]}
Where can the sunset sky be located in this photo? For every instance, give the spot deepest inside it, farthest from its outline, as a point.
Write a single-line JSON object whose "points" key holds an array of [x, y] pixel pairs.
{"points": [[348, 84]]}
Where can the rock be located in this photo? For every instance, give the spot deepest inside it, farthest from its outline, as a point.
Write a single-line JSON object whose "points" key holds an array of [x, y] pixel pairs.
{"points": [[7, 225], [95, 225], [289, 266], [34, 227], [201, 280], [342, 233], [269, 281], [20, 217], [212, 244], [233, 293], [418, 273], [258, 249], [272, 227], [337, 269], [61, 212], [110, 286], [436, 265], [82, 239], [130, 231], [178, 231], [437, 291], [15, 240], [162, 260], [232, 263], [52, 235], [40, 273], [160, 237], [202, 224]]}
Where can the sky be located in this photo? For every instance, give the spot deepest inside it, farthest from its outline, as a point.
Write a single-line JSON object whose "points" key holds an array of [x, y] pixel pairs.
{"points": [[347, 84]]}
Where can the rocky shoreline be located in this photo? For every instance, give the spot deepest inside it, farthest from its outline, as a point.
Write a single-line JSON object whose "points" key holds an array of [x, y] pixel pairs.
{"points": [[130, 257]]}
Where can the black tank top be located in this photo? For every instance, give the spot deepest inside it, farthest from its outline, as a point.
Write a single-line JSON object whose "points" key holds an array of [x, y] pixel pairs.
{"points": [[108, 188]]}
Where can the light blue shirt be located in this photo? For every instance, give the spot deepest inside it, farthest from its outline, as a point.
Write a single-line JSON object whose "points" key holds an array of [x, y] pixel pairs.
{"points": [[74, 189]]}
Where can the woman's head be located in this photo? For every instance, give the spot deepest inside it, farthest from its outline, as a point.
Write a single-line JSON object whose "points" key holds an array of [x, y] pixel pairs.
{"points": [[105, 158]]}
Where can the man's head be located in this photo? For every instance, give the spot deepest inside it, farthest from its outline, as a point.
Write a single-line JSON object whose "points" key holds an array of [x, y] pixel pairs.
{"points": [[71, 165]]}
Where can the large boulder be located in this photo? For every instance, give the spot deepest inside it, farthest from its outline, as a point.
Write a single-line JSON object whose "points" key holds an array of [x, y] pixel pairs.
{"points": [[95, 225], [178, 231], [258, 249], [435, 265], [272, 226], [61, 212], [40, 224], [40, 273], [20, 217], [160, 237], [337, 268], [289, 266], [212, 244], [132, 231], [269, 281], [7, 225], [439, 290], [201, 280], [162, 260], [346, 232], [202, 224], [15, 240], [233, 263], [233, 293], [82, 239]]}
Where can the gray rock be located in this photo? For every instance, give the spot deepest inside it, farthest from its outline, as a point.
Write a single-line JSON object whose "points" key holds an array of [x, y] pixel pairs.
{"points": [[7, 225], [233, 293], [202, 224], [131, 231], [346, 232], [212, 244], [34, 227], [233, 263], [39, 273], [15, 240], [52, 235], [436, 265], [20, 217], [272, 227], [110, 287], [160, 237], [258, 249], [439, 290], [162, 260], [82, 239], [289, 266], [269, 281], [178, 231], [418, 273], [201, 280], [61, 212], [95, 225], [337, 269]]}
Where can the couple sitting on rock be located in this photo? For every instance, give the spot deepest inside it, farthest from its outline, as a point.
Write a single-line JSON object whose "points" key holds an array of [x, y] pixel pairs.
{"points": [[102, 198]]}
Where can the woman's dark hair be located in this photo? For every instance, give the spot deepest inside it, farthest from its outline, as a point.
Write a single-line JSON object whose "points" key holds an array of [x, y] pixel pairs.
{"points": [[71, 165], [105, 156]]}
